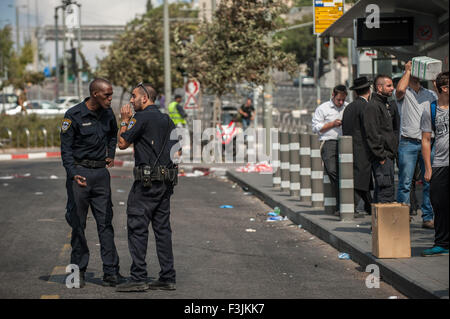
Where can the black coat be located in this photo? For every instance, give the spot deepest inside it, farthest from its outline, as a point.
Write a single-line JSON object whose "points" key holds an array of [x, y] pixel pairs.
{"points": [[381, 123], [353, 125]]}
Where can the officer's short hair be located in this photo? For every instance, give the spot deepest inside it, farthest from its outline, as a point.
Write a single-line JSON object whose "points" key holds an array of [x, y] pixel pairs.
{"points": [[96, 84], [178, 96], [151, 91]]}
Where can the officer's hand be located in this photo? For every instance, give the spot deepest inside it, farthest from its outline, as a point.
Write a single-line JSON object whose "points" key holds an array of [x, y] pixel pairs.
{"points": [[126, 113], [81, 181], [109, 162]]}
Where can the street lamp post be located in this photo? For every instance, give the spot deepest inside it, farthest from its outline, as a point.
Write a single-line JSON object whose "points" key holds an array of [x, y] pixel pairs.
{"points": [[167, 69], [17, 24]]}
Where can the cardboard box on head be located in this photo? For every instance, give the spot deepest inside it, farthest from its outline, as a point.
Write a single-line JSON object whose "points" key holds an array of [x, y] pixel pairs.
{"points": [[390, 231]]}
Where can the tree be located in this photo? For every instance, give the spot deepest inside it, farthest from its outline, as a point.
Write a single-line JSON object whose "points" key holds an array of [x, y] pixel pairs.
{"points": [[14, 63], [137, 54], [234, 47]]}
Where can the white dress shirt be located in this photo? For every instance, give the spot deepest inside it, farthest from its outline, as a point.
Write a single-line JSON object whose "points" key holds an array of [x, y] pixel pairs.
{"points": [[325, 113]]}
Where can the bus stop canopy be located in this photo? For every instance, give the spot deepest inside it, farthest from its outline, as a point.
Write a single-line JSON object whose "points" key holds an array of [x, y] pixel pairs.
{"points": [[432, 12]]}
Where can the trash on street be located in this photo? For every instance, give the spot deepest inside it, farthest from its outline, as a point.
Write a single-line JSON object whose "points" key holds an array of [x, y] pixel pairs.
{"points": [[344, 256]]}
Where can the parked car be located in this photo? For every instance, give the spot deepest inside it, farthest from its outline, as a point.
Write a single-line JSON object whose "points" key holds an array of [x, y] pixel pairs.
{"points": [[8, 102], [66, 102], [42, 108], [306, 81]]}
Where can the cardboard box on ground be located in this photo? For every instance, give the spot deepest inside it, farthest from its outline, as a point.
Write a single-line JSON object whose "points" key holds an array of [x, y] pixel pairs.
{"points": [[390, 231]]}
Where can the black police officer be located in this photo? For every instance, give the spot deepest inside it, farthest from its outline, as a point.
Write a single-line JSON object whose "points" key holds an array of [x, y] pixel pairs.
{"points": [[88, 145], [149, 199]]}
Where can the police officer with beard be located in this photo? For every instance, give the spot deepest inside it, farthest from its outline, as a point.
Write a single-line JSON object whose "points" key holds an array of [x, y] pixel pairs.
{"points": [[88, 146], [149, 199]]}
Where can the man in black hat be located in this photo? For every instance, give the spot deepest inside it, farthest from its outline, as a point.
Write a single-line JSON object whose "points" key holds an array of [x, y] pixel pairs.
{"points": [[353, 125]]}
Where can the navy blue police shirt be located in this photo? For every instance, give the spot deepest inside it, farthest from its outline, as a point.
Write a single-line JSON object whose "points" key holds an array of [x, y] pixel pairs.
{"points": [[86, 134], [147, 130]]}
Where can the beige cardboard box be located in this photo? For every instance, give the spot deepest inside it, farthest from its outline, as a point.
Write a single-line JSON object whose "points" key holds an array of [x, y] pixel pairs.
{"points": [[390, 231]]}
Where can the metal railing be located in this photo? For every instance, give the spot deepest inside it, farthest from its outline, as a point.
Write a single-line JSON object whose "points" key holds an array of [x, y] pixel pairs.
{"points": [[26, 138]]}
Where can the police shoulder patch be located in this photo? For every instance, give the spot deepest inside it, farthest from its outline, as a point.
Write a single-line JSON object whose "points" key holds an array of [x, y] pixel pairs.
{"points": [[65, 125], [131, 124]]}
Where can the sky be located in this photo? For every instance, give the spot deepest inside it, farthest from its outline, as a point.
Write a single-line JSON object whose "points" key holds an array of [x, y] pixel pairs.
{"points": [[93, 12]]}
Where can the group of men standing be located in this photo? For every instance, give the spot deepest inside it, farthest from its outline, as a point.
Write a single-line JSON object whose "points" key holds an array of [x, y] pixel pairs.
{"points": [[391, 126]]}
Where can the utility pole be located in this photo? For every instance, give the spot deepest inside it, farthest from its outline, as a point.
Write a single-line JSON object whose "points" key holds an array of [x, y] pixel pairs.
{"points": [[268, 97], [332, 64], [167, 69], [350, 65], [56, 54], [17, 31], [316, 71], [64, 52], [80, 80]]}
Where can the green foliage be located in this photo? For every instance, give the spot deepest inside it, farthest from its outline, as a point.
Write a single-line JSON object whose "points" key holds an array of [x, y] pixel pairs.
{"points": [[15, 63], [234, 47], [33, 123], [137, 54]]}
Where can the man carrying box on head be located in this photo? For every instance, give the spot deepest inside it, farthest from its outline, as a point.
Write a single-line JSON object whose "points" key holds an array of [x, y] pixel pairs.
{"points": [[412, 98]]}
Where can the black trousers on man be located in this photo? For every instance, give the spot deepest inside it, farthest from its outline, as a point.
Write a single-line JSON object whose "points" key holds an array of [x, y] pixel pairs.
{"points": [[439, 189], [384, 181], [330, 158], [97, 195], [150, 205], [366, 196]]}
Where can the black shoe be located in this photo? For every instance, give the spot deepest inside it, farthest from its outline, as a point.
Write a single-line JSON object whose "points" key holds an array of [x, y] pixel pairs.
{"points": [[161, 285], [112, 280], [132, 286]]}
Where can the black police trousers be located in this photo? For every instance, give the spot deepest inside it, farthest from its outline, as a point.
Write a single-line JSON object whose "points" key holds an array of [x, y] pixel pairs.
{"points": [[97, 195], [150, 205]]}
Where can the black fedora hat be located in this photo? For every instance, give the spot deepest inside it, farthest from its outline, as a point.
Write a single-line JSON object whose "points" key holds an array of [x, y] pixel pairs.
{"points": [[360, 83]]}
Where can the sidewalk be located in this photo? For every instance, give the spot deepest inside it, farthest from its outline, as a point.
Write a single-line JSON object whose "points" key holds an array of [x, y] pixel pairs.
{"points": [[416, 277]]}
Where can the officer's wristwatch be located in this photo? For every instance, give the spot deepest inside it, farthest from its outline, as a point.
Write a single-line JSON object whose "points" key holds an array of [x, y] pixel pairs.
{"points": [[123, 123]]}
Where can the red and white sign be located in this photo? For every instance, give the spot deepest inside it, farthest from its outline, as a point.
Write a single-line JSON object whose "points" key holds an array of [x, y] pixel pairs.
{"points": [[191, 88]]}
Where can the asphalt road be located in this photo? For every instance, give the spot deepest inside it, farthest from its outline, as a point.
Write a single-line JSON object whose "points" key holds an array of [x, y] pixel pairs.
{"points": [[215, 256]]}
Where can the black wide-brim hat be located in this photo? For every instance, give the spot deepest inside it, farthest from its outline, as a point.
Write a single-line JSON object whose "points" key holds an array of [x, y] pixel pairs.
{"points": [[360, 83]]}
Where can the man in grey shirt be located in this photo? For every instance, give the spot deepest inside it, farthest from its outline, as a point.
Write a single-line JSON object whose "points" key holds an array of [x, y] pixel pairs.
{"points": [[435, 119], [411, 100]]}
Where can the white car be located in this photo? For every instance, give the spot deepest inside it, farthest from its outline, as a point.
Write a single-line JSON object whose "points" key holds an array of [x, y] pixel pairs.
{"points": [[66, 102], [42, 108], [8, 102]]}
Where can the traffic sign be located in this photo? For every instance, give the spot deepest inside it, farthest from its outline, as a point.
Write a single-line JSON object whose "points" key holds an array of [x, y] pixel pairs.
{"points": [[326, 12], [191, 88], [72, 21]]}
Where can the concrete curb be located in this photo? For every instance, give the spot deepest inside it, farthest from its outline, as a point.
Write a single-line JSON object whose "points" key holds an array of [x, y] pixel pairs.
{"points": [[390, 275]]}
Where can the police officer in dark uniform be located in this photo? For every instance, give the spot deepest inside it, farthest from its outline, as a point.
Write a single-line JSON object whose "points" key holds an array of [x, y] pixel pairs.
{"points": [[88, 144], [149, 199]]}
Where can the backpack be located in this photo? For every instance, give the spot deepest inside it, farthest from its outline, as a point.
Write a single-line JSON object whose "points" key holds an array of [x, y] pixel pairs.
{"points": [[433, 107]]}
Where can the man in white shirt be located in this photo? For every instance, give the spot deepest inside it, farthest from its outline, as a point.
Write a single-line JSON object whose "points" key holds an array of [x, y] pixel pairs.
{"points": [[327, 123]]}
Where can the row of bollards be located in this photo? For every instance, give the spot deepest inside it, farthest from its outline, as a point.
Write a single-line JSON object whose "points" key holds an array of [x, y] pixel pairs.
{"points": [[298, 170]]}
